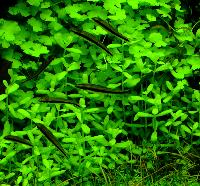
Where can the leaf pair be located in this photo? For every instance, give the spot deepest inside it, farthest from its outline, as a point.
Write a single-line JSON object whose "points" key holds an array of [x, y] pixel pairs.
{"points": [[98, 88]]}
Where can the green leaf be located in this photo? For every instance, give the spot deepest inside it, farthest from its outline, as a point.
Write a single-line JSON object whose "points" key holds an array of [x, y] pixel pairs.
{"points": [[100, 139], [126, 144], [74, 66], [9, 30], [3, 96], [12, 88], [112, 142], [131, 82], [169, 85], [167, 99], [34, 2], [165, 112], [156, 38], [61, 75], [154, 136], [198, 33], [7, 128], [195, 126], [92, 110], [19, 180], [197, 95], [137, 151], [135, 98], [12, 111], [149, 89], [85, 128], [139, 63], [174, 136], [155, 111], [46, 15], [114, 86], [20, 8], [164, 129], [36, 24], [197, 133], [143, 115], [63, 39], [164, 67], [110, 110], [114, 45], [151, 17], [127, 63], [81, 151], [8, 157], [74, 50], [55, 26], [116, 67], [186, 129], [24, 113], [45, 5], [133, 4], [34, 49]]}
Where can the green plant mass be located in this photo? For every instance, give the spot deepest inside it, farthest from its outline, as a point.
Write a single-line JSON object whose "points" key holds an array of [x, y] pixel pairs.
{"points": [[100, 92]]}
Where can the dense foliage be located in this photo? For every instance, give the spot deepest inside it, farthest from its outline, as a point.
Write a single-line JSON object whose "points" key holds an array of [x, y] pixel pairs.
{"points": [[147, 127]]}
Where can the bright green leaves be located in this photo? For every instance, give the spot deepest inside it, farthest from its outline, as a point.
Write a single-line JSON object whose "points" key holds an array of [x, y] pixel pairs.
{"points": [[8, 32], [12, 88], [137, 50], [183, 31], [164, 67], [154, 136], [195, 126], [194, 61], [20, 8], [131, 82], [157, 39], [114, 7], [85, 128], [45, 4], [114, 45], [151, 17], [184, 35], [133, 4], [8, 157], [55, 26], [73, 66], [24, 113], [181, 72], [46, 15], [146, 61], [142, 114], [186, 129], [74, 50], [73, 11], [63, 39], [34, 2], [45, 40], [198, 33], [3, 96], [34, 49], [36, 24], [165, 11]]}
